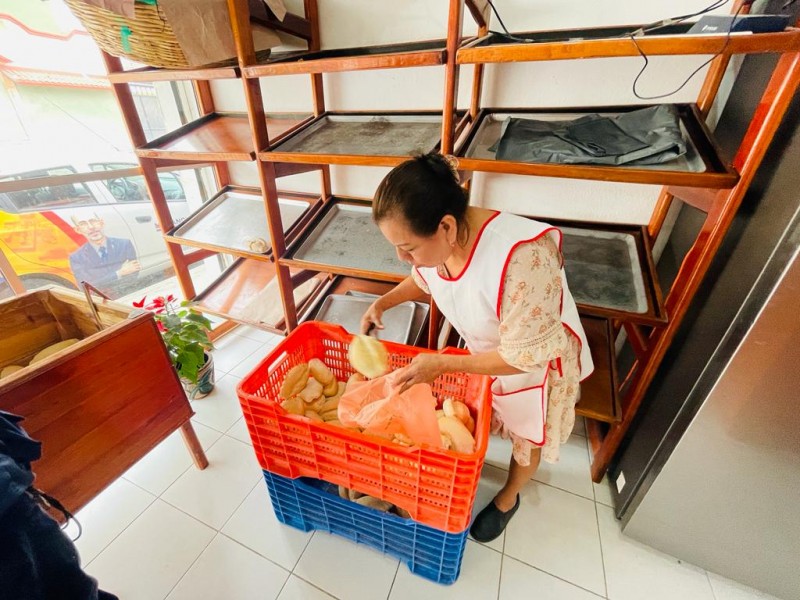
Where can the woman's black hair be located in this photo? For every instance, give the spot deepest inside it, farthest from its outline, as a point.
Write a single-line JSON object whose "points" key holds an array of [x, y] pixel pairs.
{"points": [[422, 191]]}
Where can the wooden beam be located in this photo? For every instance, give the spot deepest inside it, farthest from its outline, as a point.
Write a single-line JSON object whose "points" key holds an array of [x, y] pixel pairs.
{"points": [[222, 329], [659, 214], [477, 82], [700, 198], [205, 98], [637, 339], [480, 11], [291, 24], [165, 223], [266, 171], [14, 282], [455, 20], [122, 92], [198, 255]]}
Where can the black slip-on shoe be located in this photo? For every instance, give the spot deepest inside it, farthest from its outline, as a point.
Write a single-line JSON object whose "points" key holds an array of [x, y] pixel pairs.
{"points": [[491, 522]]}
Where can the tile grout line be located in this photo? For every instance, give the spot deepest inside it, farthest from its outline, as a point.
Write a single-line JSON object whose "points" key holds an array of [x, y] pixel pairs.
{"points": [[288, 577], [182, 473], [572, 583], [555, 487], [394, 579], [326, 592], [254, 551], [551, 486], [217, 532], [710, 585], [186, 572], [178, 508], [111, 541], [249, 354], [313, 533], [502, 561], [299, 556], [602, 554], [238, 506], [244, 335]]}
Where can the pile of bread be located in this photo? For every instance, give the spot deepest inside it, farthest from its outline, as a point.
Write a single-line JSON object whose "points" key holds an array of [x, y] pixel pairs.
{"points": [[41, 355], [312, 390]]}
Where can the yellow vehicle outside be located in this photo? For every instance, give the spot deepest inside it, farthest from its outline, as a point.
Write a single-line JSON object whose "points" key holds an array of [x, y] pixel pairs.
{"points": [[38, 245]]}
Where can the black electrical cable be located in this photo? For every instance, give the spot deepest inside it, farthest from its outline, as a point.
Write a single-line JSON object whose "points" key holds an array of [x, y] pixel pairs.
{"points": [[693, 73], [646, 29], [505, 33], [499, 18]]}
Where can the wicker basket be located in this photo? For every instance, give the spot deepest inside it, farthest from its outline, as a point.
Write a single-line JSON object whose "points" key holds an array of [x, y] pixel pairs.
{"points": [[147, 38]]}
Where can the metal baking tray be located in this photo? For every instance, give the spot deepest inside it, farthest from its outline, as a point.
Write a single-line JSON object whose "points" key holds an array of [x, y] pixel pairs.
{"points": [[603, 269], [347, 310], [232, 218], [346, 237], [420, 316], [491, 128], [372, 134]]}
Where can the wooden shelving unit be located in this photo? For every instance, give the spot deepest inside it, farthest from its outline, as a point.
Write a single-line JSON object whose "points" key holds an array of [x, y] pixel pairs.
{"points": [[287, 144]]}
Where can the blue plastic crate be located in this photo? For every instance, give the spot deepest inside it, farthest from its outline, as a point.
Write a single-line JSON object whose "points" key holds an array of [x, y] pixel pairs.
{"points": [[309, 504]]}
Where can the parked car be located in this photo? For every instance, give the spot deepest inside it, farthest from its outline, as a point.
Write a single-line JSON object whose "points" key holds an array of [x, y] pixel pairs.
{"points": [[37, 231]]}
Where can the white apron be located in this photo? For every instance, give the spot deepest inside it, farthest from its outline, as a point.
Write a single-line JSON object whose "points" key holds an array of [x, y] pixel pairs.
{"points": [[471, 302]]}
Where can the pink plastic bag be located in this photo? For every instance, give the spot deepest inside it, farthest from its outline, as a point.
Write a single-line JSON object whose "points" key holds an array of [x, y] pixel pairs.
{"points": [[378, 408]]}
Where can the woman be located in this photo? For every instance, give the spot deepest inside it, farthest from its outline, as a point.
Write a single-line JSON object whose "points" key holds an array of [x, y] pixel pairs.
{"points": [[499, 280]]}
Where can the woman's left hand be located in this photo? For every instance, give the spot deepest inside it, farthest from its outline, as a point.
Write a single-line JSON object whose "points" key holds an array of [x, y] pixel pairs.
{"points": [[424, 368]]}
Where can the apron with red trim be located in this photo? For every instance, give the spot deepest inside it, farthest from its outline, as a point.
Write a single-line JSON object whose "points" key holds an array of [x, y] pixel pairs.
{"points": [[471, 302]]}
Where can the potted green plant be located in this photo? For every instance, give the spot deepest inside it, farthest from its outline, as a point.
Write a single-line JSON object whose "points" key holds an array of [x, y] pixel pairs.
{"points": [[185, 334]]}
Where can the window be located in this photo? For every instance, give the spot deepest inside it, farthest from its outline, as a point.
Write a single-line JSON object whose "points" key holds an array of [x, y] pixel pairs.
{"points": [[133, 189], [48, 196], [68, 125]]}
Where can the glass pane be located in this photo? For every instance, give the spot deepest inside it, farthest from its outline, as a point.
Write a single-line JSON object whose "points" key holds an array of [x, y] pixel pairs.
{"points": [[49, 196], [60, 117]]}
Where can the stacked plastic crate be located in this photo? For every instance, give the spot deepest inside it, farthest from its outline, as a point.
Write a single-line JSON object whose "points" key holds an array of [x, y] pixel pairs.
{"points": [[304, 461]]}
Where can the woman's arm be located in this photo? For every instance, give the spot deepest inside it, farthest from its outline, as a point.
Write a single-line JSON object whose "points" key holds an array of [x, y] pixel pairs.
{"points": [[424, 368], [402, 292]]}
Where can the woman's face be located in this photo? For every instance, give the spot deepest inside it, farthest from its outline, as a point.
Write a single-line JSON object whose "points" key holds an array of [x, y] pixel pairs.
{"points": [[416, 250]]}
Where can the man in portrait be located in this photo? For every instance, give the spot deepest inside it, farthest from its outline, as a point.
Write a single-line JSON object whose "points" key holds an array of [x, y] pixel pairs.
{"points": [[102, 260]]}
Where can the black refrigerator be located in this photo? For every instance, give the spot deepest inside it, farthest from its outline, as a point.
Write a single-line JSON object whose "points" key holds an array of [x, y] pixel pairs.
{"points": [[710, 470]]}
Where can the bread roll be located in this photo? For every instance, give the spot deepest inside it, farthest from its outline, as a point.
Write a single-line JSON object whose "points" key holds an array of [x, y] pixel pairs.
{"points": [[295, 380], [368, 356]]}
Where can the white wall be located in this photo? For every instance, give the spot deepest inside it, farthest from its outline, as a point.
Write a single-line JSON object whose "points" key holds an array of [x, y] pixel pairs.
{"points": [[593, 82]]}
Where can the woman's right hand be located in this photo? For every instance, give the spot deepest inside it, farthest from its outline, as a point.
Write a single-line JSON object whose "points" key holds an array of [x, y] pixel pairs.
{"points": [[372, 318]]}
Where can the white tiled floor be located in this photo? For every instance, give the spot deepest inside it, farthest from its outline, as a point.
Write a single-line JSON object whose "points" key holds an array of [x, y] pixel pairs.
{"points": [[166, 530]]}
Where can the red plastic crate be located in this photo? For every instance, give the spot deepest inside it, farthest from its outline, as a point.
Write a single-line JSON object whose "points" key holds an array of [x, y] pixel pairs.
{"points": [[437, 487]]}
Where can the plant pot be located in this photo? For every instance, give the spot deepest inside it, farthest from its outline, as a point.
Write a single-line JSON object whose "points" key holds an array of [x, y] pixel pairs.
{"points": [[205, 380]]}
